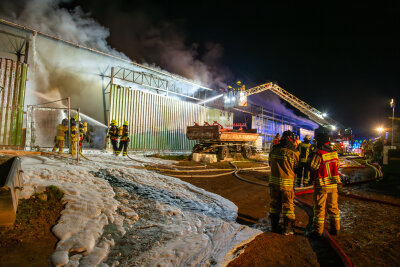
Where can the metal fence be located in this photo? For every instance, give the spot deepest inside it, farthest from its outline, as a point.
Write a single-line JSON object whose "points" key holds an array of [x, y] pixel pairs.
{"points": [[42, 125], [12, 97], [157, 122]]}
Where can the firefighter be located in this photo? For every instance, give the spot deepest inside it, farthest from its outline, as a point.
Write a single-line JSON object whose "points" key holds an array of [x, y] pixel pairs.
{"points": [[74, 137], [62, 129], [276, 139], [82, 130], [324, 164], [283, 160], [297, 141], [124, 140], [303, 172], [113, 135]]}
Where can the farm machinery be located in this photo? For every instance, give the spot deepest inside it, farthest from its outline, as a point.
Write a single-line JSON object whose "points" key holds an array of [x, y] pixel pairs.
{"points": [[215, 139]]}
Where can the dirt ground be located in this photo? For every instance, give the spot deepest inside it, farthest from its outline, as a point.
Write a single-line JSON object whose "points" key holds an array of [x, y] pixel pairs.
{"points": [[30, 241], [370, 233], [267, 249]]}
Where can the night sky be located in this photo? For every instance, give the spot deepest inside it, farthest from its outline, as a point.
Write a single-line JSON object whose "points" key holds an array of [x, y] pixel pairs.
{"points": [[342, 59]]}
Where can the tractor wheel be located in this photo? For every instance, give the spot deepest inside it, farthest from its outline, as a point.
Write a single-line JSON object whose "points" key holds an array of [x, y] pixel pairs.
{"points": [[246, 152], [223, 152]]}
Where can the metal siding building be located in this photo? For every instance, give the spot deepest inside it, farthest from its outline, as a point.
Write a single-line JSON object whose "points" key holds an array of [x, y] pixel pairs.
{"points": [[158, 105]]}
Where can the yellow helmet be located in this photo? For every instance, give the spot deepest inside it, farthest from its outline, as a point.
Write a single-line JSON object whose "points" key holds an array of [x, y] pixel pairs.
{"points": [[229, 87], [126, 123], [238, 82], [114, 122], [77, 118]]}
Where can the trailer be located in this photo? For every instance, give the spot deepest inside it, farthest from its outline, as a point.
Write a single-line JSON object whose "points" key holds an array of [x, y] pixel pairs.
{"points": [[217, 140]]}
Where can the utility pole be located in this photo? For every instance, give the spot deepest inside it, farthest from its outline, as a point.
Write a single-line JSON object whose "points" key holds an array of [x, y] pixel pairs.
{"points": [[392, 106]]}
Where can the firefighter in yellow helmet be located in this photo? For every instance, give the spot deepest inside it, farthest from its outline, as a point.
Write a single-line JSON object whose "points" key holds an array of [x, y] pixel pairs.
{"points": [[74, 136], [62, 129], [324, 164], [82, 130], [113, 135], [303, 172], [124, 140], [283, 160]]}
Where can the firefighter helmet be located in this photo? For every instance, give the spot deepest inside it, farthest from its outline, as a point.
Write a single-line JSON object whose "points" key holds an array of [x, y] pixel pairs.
{"points": [[307, 137], [239, 83], [288, 135], [114, 122], [126, 123], [64, 122], [229, 87], [77, 118]]}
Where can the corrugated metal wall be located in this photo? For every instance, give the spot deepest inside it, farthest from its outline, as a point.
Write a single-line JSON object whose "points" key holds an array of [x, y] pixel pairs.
{"points": [[12, 98], [268, 128], [157, 122]]}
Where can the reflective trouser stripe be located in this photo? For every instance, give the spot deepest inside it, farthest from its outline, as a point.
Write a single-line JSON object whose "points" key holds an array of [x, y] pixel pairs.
{"points": [[282, 200], [325, 199], [60, 145]]}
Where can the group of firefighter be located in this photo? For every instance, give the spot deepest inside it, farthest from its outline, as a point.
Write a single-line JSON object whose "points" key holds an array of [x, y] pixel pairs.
{"points": [[62, 135], [318, 164], [119, 136]]}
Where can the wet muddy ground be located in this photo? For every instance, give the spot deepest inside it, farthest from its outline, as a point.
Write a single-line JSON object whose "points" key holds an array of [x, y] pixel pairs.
{"points": [[268, 249], [370, 232]]}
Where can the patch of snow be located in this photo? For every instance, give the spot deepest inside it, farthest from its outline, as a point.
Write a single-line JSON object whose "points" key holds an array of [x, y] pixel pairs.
{"points": [[134, 216]]}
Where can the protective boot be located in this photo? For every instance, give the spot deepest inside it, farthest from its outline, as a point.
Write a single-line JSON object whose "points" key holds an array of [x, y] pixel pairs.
{"points": [[288, 226], [275, 228]]}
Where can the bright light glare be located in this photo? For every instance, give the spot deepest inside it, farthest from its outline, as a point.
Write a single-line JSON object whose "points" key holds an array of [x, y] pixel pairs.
{"points": [[333, 127], [324, 115], [380, 129], [211, 99], [233, 98]]}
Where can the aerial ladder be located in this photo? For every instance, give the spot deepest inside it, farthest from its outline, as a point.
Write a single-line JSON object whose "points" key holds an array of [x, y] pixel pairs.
{"points": [[306, 109], [238, 98]]}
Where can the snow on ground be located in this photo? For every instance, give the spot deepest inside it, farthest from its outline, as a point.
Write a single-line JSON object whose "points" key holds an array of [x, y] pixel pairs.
{"points": [[118, 213]]}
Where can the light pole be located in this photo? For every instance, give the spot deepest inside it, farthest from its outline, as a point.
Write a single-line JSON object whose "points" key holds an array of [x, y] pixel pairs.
{"points": [[392, 106]]}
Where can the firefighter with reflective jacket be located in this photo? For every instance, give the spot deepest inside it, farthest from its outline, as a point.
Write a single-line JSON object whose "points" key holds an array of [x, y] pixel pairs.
{"points": [[62, 129], [283, 160], [82, 131], [324, 164], [74, 136], [275, 141], [113, 135], [124, 140], [303, 172]]}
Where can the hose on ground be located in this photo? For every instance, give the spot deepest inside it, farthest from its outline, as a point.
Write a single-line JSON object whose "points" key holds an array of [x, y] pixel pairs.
{"points": [[343, 256]]}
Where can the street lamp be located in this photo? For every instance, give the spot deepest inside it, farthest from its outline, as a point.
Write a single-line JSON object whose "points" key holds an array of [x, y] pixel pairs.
{"points": [[392, 106]]}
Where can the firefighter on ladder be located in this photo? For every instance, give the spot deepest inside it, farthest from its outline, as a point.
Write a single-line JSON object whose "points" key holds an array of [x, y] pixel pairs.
{"points": [[113, 135], [283, 160], [62, 129], [124, 140], [303, 172], [324, 163]]}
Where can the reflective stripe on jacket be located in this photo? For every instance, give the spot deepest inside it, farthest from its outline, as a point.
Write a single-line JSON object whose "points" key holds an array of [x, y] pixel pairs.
{"points": [[325, 164], [304, 150], [113, 133], [125, 135], [61, 130], [283, 161]]}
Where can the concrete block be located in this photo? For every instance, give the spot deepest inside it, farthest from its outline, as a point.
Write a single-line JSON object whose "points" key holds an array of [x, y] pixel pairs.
{"points": [[209, 158], [10, 185], [196, 157]]}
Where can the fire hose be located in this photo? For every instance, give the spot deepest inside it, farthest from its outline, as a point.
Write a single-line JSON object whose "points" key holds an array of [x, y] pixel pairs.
{"points": [[343, 256]]}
